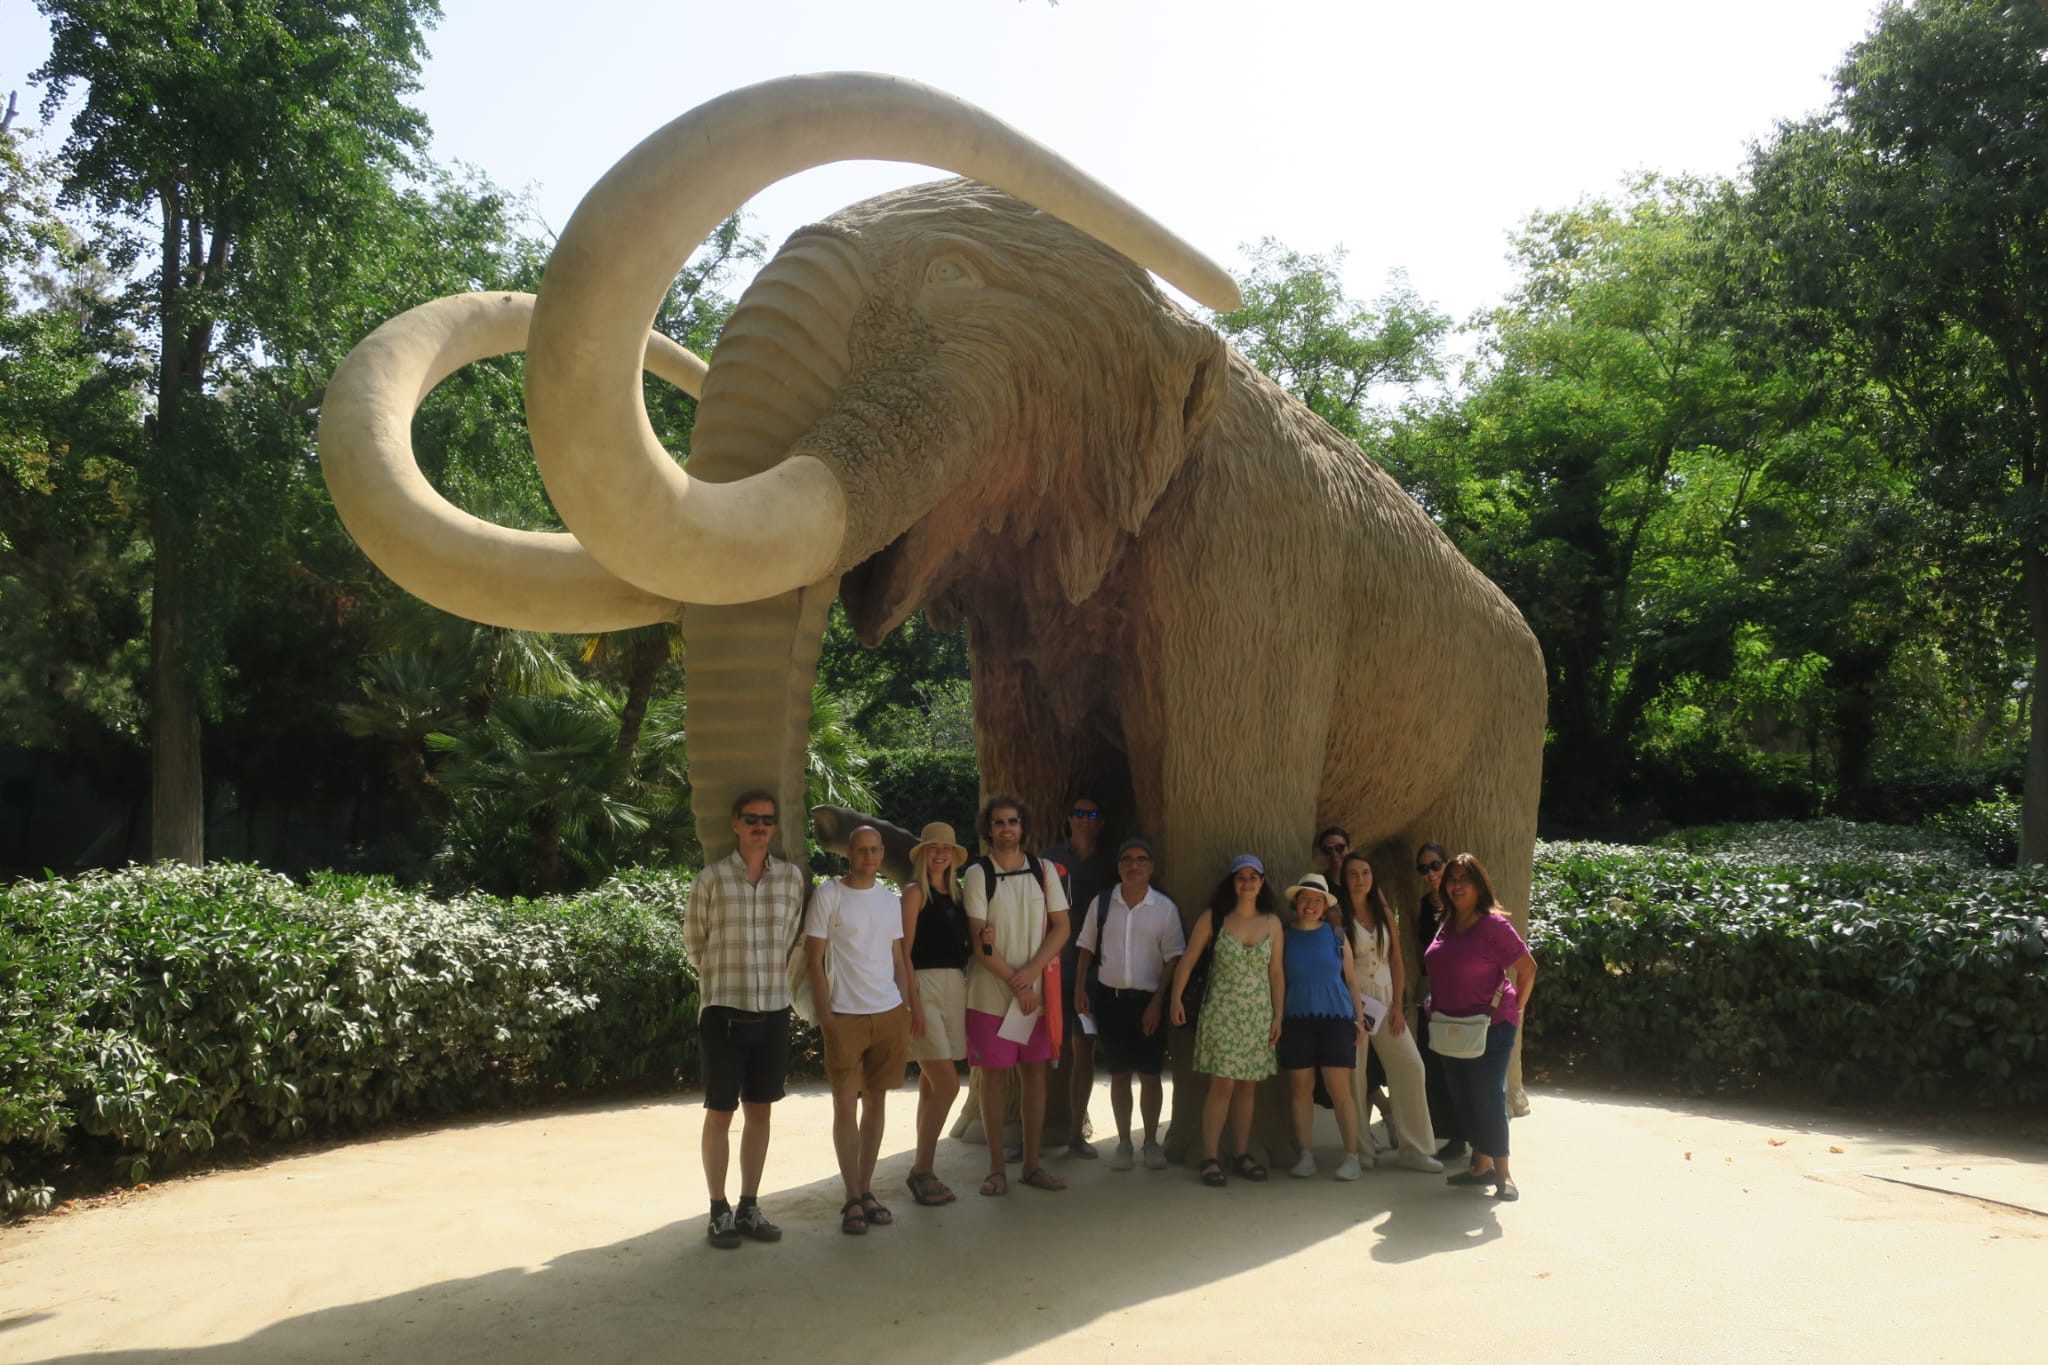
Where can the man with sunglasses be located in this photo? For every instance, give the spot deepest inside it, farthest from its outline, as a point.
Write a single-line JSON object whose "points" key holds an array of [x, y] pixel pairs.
{"points": [[742, 918], [1087, 871]]}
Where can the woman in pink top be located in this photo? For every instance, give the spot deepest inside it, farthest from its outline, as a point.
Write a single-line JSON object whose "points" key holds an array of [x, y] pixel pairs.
{"points": [[1478, 964]]}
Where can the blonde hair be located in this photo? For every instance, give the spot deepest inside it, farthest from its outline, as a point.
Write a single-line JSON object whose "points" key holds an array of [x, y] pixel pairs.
{"points": [[924, 874]]}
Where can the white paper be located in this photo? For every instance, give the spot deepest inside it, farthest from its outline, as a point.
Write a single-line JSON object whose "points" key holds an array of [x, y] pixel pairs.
{"points": [[1375, 1012], [1017, 1026], [1088, 1024]]}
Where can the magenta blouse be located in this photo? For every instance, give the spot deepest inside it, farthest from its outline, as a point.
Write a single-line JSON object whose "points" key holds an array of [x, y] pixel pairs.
{"points": [[1464, 968]]}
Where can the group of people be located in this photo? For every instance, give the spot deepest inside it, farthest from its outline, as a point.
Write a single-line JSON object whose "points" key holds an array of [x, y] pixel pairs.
{"points": [[1013, 959]]}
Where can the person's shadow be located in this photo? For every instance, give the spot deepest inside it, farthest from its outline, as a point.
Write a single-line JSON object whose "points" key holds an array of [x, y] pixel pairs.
{"points": [[974, 1280]]}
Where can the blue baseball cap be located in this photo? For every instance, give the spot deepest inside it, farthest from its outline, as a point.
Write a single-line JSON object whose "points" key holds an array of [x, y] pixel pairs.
{"points": [[1246, 860]]}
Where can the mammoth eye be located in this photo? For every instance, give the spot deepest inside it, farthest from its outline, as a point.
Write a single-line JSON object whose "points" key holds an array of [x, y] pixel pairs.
{"points": [[951, 270]]}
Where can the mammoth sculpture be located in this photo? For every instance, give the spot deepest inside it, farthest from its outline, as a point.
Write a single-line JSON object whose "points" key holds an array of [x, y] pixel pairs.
{"points": [[1182, 589]]}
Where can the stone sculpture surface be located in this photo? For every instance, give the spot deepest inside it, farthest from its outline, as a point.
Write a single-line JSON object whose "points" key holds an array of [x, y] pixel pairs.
{"points": [[1182, 589]]}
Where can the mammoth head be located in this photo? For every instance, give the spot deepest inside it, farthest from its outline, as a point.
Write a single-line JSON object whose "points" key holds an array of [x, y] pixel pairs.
{"points": [[914, 372]]}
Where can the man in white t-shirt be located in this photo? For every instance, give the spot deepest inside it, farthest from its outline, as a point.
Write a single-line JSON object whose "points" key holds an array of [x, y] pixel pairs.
{"points": [[874, 1010], [1017, 915]]}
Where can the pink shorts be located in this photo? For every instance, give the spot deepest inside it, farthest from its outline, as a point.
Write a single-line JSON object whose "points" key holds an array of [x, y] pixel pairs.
{"points": [[992, 1053]]}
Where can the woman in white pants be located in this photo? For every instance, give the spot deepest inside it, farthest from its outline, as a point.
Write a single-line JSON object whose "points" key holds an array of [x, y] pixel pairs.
{"points": [[1376, 954]]}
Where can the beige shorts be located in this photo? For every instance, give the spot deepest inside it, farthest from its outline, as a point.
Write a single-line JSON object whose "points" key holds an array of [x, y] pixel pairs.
{"points": [[944, 992]]}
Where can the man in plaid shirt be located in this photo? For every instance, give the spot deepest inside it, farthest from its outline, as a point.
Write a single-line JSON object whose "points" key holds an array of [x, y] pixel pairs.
{"points": [[744, 912]]}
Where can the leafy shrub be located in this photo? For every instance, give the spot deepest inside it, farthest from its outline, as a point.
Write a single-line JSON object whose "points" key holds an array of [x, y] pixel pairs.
{"points": [[913, 786], [1991, 828], [1862, 961], [1909, 797], [148, 1015]]}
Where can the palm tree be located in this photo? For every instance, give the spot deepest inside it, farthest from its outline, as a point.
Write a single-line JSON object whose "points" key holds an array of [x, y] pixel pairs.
{"points": [[550, 766]]}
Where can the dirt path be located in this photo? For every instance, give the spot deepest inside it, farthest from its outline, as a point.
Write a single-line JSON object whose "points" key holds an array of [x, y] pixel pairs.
{"points": [[1645, 1232]]}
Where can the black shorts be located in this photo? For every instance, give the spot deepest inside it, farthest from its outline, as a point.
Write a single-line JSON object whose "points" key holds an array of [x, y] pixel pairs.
{"points": [[745, 1056], [1310, 1043], [1120, 1025]]}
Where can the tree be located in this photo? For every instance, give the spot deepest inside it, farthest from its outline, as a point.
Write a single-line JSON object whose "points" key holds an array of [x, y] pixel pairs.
{"points": [[263, 136], [1908, 224], [1328, 350]]}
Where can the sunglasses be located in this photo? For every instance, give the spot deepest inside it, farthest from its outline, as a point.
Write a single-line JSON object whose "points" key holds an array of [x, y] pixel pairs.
{"points": [[1426, 868], [754, 819], [1080, 814], [1000, 821], [1336, 848]]}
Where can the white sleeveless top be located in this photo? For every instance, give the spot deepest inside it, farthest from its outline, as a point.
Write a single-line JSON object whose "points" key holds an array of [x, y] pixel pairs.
{"points": [[1369, 961]]}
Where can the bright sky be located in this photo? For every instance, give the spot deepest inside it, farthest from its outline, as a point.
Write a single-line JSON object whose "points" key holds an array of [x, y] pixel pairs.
{"points": [[1416, 135]]}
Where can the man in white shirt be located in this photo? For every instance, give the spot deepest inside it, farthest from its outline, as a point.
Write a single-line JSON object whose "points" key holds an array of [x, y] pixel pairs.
{"points": [[1017, 916], [873, 1012], [1136, 933]]}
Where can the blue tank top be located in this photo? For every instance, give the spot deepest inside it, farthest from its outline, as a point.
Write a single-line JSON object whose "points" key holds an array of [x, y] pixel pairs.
{"points": [[1314, 965]]}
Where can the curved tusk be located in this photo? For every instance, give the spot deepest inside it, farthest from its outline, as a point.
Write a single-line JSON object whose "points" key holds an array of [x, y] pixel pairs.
{"points": [[614, 485], [527, 580]]}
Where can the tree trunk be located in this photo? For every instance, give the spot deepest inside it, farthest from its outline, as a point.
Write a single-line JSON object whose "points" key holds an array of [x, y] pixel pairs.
{"points": [[177, 790], [2034, 804]]}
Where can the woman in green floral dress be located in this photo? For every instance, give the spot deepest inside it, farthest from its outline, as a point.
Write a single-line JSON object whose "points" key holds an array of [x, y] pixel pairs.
{"points": [[1240, 1010]]}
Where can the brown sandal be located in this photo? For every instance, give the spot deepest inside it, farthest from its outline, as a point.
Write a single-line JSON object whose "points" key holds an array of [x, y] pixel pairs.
{"points": [[927, 1189], [853, 1220], [997, 1185], [1041, 1179], [1212, 1173], [878, 1216]]}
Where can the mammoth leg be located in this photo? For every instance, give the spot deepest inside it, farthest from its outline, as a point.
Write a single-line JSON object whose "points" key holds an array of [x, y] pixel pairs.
{"points": [[1228, 782]]}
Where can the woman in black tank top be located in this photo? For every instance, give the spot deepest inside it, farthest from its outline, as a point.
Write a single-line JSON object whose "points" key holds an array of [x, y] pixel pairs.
{"points": [[935, 923]]}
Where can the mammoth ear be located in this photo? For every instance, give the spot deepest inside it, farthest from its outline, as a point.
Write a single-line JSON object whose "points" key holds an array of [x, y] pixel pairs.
{"points": [[1179, 386]]}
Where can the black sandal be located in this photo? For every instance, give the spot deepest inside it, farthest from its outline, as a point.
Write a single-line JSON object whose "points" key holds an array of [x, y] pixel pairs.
{"points": [[1247, 1169], [852, 1219], [1212, 1172]]}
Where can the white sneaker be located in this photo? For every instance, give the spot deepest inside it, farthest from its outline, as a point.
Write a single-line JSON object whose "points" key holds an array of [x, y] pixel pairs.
{"points": [[1155, 1157], [1121, 1158], [1347, 1169], [1366, 1160], [1304, 1168], [1412, 1160]]}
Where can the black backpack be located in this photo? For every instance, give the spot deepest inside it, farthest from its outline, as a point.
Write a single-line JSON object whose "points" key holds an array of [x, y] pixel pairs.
{"points": [[992, 875]]}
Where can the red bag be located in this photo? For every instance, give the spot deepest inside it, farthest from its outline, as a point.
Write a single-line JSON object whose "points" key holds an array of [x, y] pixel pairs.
{"points": [[1049, 1001]]}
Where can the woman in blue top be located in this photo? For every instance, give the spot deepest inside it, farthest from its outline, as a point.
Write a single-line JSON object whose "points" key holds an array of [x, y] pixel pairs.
{"points": [[1320, 1028]]}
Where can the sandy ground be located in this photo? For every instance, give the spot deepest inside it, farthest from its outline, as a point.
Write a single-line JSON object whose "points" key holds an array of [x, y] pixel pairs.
{"points": [[1645, 1232]]}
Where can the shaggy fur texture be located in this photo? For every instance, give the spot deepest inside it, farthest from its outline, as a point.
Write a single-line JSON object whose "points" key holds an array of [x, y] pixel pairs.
{"points": [[1184, 592]]}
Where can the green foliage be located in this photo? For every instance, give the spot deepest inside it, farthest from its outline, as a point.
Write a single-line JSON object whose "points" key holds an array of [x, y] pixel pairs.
{"points": [[1991, 827], [1900, 235], [914, 786], [150, 1015], [1330, 351], [1860, 962]]}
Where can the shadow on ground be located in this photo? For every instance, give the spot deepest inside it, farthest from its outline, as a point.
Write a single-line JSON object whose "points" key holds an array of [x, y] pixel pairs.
{"points": [[975, 1280]]}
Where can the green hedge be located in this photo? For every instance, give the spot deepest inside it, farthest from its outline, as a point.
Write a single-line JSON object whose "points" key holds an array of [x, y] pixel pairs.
{"points": [[151, 1014], [915, 786], [1857, 961]]}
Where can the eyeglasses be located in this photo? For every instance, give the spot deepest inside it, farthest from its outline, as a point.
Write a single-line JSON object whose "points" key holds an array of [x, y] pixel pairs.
{"points": [[1080, 814], [1426, 868], [754, 819], [1336, 848]]}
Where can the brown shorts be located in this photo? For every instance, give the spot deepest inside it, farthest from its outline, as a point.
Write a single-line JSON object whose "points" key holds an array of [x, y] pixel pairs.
{"points": [[867, 1051]]}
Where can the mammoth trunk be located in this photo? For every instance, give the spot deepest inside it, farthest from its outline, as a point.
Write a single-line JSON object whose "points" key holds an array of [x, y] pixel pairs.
{"points": [[751, 666]]}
